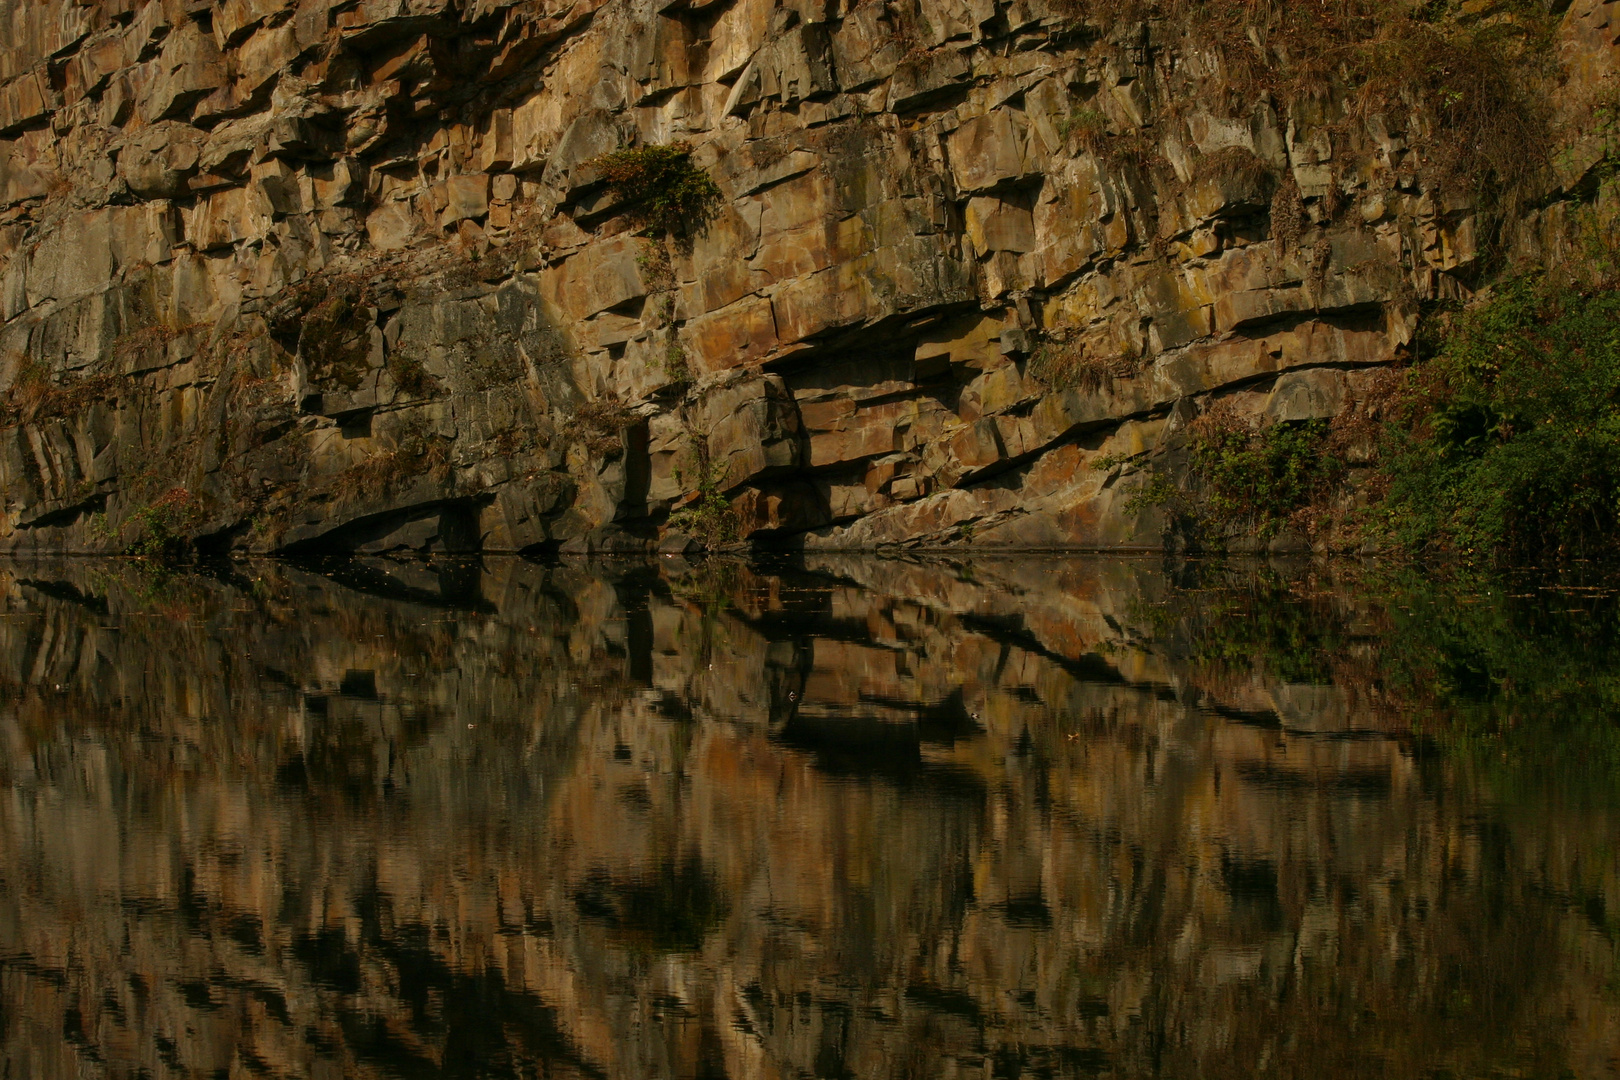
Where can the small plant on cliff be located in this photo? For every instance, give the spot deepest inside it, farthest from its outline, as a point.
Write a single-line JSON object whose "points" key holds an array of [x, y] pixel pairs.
{"points": [[677, 369], [411, 377], [599, 425], [1507, 445], [34, 395], [664, 193], [417, 451], [1061, 365], [707, 517], [1235, 164], [1084, 127], [660, 277], [163, 527]]}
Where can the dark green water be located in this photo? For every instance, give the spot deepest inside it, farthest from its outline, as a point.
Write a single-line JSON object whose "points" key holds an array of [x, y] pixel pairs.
{"points": [[849, 817]]}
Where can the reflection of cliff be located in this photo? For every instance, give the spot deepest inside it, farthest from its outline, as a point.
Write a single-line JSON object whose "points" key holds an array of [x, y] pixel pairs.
{"points": [[852, 818]]}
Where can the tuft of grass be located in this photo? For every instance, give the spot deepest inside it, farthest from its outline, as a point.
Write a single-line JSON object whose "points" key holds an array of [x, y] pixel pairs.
{"points": [[1085, 128], [1235, 163], [1287, 214], [598, 424], [1061, 365], [34, 395], [334, 340], [417, 452], [410, 376]]}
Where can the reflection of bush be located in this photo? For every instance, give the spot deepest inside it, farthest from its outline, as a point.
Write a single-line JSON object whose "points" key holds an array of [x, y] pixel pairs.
{"points": [[1513, 673], [669, 909], [1242, 622]]}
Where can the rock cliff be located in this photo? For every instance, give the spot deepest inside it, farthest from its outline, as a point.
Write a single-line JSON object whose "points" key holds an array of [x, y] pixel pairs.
{"points": [[285, 276]]}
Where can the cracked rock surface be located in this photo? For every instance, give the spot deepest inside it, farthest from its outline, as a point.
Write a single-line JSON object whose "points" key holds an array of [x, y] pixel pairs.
{"points": [[343, 276]]}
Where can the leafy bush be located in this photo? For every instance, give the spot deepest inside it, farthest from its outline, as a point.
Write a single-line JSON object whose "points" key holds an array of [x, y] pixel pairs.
{"points": [[1258, 478], [707, 519], [661, 189], [163, 527], [1507, 445]]}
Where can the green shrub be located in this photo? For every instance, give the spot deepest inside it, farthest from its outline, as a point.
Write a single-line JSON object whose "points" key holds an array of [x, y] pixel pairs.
{"points": [[1258, 478], [1507, 445], [661, 189], [708, 517], [163, 528]]}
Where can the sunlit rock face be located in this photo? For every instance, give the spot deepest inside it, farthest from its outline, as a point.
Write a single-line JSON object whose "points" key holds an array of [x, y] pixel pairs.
{"points": [[339, 276], [848, 818]]}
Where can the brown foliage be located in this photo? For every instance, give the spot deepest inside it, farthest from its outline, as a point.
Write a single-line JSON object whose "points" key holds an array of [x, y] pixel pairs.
{"points": [[417, 452], [1070, 365], [34, 396], [597, 425], [1474, 81]]}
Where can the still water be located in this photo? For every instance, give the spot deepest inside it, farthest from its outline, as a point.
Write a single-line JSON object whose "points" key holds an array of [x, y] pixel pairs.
{"points": [[843, 817]]}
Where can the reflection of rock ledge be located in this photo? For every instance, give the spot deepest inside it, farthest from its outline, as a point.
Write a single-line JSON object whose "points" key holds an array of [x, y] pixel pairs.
{"points": [[671, 819]]}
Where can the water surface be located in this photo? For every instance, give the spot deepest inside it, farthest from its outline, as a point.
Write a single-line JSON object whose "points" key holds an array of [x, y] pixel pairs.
{"points": [[848, 817]]}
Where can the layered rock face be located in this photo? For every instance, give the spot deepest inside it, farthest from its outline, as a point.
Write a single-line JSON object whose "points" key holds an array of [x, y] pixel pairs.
{"points": [[345, 275]]}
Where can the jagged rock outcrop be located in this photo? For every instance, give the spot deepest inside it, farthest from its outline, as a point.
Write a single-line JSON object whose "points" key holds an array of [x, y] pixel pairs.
{"points": [[345, 275]]}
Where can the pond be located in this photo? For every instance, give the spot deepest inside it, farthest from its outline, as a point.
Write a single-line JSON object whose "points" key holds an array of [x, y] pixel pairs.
{"points": [[836, 816]]}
